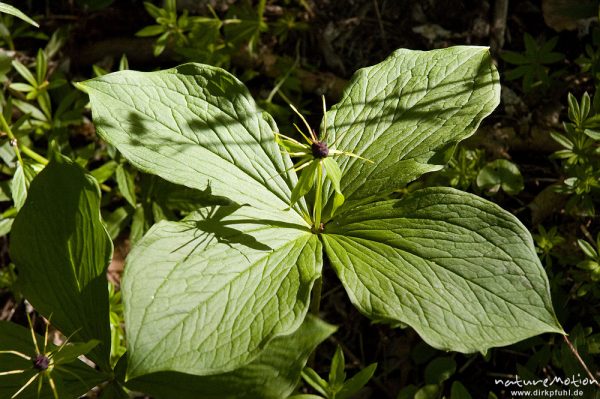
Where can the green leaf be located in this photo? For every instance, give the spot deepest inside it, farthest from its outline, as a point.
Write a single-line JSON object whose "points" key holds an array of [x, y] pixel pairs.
{"points": [[459, 391], [105, 171], [5, 226], [408, 392], [76, 378], [22, 87], [337, 375], [460, 270], [41, 66], [8, 9], [562, 140], [151, 30], [357, 382], [126, 184], [313, 379], [116, 222], [272, 375], [439, 370], [62, 274], [197, 126], [224, 282], [428, 392], [587, 248], [406, 115], [500, 173], [592, 133], [25, 73], [18, 187], [305, 182]]}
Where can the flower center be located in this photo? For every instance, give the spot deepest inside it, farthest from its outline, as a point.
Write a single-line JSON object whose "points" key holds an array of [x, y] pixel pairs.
{"points": [[319, 149], [41, 362]]}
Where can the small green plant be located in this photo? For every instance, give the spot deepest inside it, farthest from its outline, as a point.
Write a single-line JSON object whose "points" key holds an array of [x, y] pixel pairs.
{"points": [[591, 265], [461, 172], [205, 38], [580, 157], [37, 85], [589, 61], [170, 28], [546, 241], [532, 64], [337, 386], [500, 174]]}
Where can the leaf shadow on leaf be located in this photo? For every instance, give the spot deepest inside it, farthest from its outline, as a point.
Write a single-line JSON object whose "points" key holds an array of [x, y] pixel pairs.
{"points": [[211, 226], [392, 112], [407, 134]]}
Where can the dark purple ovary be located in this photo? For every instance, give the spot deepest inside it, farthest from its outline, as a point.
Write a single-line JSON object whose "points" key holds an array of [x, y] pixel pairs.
{"points": [[41, 362], [319, 149]]}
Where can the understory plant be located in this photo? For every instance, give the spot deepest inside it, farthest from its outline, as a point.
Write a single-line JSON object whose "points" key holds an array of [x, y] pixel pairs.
{"points": [[216, 304]]}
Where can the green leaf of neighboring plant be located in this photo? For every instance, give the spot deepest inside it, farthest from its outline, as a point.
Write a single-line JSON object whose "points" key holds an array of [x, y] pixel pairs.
{"points": [[151, 30], [75, 381], [8, 9], [337, 374], [439, 370], [18, 187], [105, 171], [224, 282], [355, 384], [457, 268], [313, 379], [246, 24], [459, 391], [272, 375], [197, 126], [408, 392], [25, 73], [587, 248], [431, 391], [406, 115], [500, 173], [126, 184], [62, 274]]}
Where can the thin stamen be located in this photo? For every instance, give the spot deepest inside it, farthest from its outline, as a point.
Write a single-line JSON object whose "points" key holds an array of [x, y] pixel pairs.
{"points": [[13, 372], [16, 354], [311, 134], [324, 119], [26, 385]]}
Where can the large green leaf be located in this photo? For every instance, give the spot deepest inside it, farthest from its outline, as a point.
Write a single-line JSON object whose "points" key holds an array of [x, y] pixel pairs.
{"points": [[72, 383], [197, 126], [407, 113], [272, 375], [205, 295], [62, 250], [458, 269]]}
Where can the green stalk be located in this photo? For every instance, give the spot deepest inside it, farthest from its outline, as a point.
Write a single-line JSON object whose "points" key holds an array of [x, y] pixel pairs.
{"points": [[318, 198], [11, 137], [315, 301], [34, 155]]}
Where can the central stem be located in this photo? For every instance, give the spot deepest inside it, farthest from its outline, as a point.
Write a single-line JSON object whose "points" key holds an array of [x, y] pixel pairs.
{"points": [[318, 198]]}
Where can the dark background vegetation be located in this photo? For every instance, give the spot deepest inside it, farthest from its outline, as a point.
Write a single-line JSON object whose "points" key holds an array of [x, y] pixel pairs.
{"points": [[306, 48]]}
